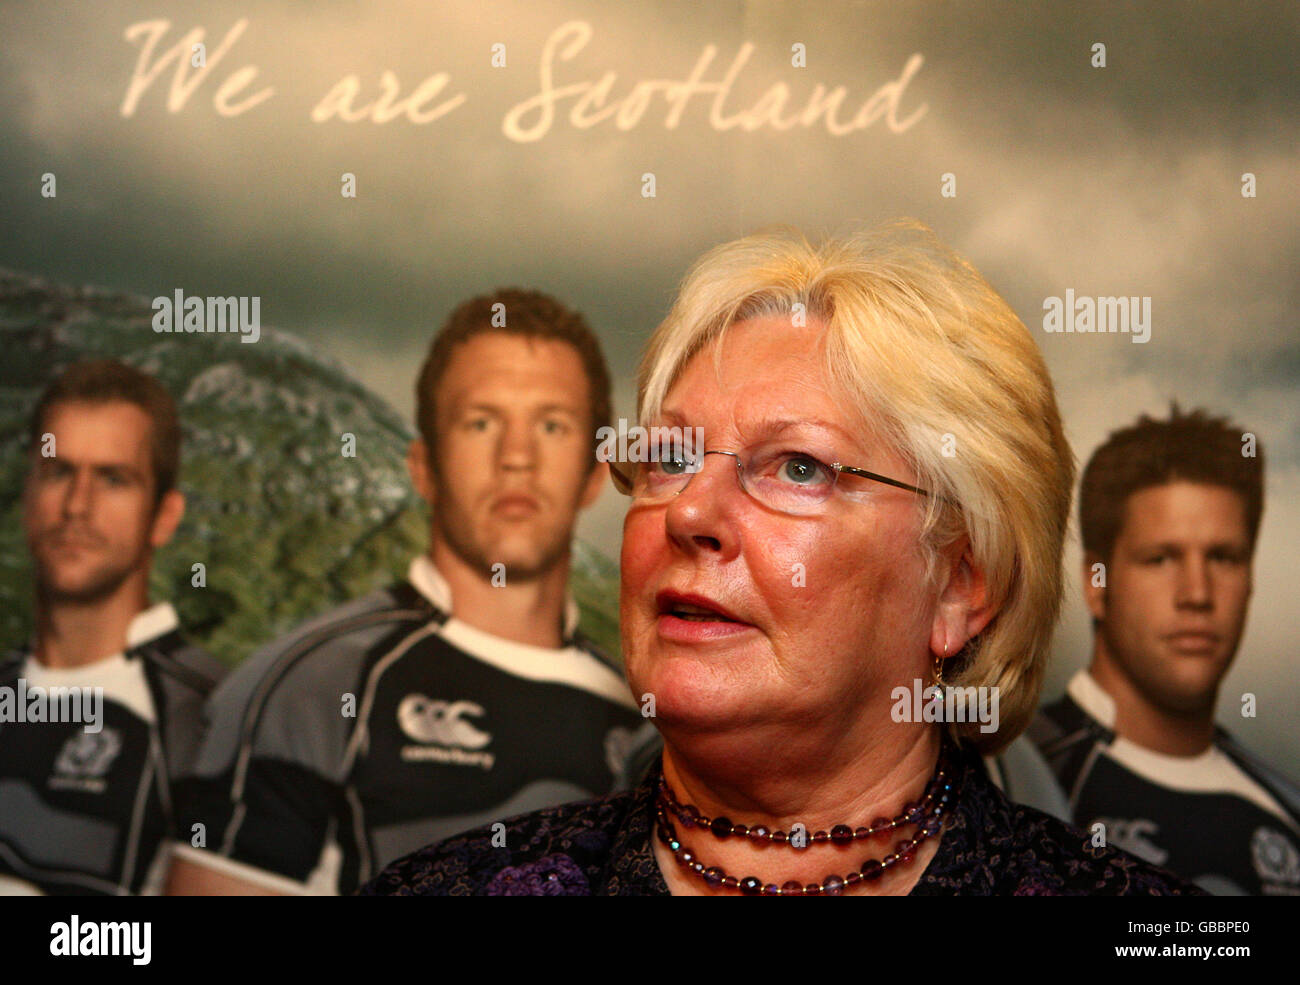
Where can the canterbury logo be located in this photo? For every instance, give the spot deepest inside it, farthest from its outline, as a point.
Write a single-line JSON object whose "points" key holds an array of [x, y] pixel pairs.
{"points": [[425, 720]]}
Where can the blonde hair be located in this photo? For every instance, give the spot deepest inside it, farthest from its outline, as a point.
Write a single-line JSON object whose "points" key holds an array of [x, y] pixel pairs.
{"points": [[936, 362]]}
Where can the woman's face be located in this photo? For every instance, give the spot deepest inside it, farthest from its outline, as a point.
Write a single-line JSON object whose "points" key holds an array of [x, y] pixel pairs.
{"points": [[829, 610]]}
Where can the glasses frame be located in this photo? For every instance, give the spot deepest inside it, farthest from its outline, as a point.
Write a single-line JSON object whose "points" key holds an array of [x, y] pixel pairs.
{"points": [[624, 485]]}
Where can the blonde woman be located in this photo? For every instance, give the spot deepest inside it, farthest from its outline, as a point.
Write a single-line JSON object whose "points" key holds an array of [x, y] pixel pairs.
{"points": [[834, 605]]}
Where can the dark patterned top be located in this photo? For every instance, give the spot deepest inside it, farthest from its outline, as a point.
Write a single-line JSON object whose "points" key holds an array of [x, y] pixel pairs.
{"points": [[989, 847]]}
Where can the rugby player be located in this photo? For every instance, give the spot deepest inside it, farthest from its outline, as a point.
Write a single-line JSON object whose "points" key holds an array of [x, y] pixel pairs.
{"points": [[461, 696], [86, 806], [1169, 513]]}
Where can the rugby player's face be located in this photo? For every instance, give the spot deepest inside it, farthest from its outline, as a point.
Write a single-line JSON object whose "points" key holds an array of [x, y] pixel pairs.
{"points": [[1177, 588], [89, 512], [514, 459]]}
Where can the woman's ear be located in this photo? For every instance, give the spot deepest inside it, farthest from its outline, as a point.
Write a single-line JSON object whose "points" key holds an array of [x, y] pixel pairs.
{"points": [[963, 607]]}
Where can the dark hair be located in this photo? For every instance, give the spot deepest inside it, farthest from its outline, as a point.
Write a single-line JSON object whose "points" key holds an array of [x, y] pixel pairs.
{"points": [[529, 314], [101, 381], [1190, 447]]}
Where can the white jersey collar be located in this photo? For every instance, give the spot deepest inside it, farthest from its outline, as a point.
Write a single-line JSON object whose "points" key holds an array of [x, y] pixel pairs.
{"points": [[1090, 696], [155, 621], [122, 680], [566, 665], [430, 583]]}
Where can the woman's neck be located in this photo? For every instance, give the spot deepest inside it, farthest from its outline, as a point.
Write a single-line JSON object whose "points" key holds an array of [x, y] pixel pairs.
{"points": [[801, 802]]}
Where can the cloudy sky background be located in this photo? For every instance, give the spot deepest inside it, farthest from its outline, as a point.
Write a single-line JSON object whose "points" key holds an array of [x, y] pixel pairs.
{"points": [[1123, 180]]}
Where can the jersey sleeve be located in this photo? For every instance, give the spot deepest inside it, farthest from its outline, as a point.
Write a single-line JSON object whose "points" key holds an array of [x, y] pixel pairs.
{"points": [[268, 787]]}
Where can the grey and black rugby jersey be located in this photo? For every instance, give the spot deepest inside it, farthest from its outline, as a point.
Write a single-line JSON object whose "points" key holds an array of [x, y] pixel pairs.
{"points": [[386, 725], [1222, 819], [91, 811]]}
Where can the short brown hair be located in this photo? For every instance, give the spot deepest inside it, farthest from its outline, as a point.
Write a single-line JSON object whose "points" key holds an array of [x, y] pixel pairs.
{"points": [[529, 314], [1190, 447], [101, 381]]}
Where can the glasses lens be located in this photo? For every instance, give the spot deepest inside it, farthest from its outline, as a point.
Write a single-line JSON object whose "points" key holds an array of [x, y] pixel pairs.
{"points": [[666, 476], [623, 475], [788, 479], [664, 468]]}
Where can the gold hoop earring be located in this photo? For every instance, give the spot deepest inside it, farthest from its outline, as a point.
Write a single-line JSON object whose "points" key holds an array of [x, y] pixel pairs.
{"points": [[938, 666]]}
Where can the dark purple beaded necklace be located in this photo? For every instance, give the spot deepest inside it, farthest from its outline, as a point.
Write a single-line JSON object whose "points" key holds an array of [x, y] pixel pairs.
{"points": [[927, 814]]}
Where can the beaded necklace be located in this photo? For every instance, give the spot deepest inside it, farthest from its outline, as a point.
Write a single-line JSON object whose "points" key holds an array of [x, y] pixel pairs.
{"points": [[926, 814]]}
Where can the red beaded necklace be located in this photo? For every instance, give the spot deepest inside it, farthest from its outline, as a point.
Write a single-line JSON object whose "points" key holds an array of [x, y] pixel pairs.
{"points": [[926, 814]]}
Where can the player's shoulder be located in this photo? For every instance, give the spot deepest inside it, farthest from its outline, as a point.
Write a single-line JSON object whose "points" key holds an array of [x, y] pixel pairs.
{"points": [[1063, 732], [180, 661], [995, 847], [585, 644], [284, 700], [1057, 721], [1272, 779], [327, 649]]}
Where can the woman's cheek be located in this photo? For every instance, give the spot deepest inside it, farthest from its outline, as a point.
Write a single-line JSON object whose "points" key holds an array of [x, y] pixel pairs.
{"points": [[636, 602], [638, 553], [792, 571]]}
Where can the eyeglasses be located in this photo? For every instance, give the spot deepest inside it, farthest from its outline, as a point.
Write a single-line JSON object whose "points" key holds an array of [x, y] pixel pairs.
{"points": [[774, 475]]}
